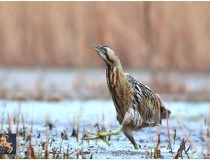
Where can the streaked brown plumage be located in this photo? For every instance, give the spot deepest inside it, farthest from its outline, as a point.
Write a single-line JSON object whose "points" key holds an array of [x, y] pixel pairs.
{"points": [[136, 105]]}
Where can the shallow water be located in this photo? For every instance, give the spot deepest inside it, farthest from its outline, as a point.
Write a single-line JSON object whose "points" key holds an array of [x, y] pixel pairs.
{"points": [[66, 114]]}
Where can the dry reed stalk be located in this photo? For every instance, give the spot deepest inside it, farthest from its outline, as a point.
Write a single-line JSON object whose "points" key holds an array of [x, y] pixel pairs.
{"points": [[23, 124], [174, 136], [103, 123], [186, 134], [78, 124], [32, 153], [167, 124], [168, 131], [18, 119], [9, 121], [180, 150], [46, 154], [2, 120], [157, 152], [32, 122], [27, 153], [17, 156], [47, 122], [158, 143]]}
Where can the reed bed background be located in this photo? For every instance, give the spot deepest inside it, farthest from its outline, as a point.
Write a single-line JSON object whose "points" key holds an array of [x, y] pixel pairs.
{"points": [[146, 35]]}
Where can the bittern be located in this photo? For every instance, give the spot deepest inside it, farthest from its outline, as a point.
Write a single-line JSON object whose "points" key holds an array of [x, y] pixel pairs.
{"points": [[137, 106]]}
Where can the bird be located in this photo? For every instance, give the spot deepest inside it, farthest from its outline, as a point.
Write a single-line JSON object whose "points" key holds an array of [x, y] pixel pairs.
{"points": [[137, 106]]}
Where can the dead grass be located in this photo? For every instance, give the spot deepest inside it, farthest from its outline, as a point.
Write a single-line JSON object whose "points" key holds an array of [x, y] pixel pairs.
{"points": [[186, 134]]}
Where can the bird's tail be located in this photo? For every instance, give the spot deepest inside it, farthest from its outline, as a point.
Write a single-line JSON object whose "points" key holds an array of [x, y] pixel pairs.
{"points": [[164, 112]]}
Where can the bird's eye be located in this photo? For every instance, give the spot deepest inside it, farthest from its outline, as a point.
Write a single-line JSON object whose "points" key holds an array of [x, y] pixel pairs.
{"points": [[104, 50]]}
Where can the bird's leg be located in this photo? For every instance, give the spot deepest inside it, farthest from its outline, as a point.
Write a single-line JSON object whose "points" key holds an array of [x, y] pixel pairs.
{"points": [[129, 134], [129, 116]]}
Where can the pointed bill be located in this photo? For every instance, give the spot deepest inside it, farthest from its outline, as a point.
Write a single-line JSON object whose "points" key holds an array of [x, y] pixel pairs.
{"points": [[97, 48]]}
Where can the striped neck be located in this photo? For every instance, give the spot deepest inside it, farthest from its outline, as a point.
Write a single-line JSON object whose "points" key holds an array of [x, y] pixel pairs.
{"points": [[114, 72], [115, 76], [115, 66], [118, 87]]}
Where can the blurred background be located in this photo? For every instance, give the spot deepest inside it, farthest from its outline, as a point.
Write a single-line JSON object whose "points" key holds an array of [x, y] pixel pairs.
{"points": [[163, 44]]}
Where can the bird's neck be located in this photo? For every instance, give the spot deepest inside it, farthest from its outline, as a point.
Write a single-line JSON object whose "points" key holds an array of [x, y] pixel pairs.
{"points": [[119, 87], [114, 74]]}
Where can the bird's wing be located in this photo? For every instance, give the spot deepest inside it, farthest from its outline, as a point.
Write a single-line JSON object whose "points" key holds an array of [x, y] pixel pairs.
{"points": [[139, 88], [145, 100]]}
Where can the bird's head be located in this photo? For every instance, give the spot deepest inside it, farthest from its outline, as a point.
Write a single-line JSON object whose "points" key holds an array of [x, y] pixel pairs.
{"points": [[107, 54]]}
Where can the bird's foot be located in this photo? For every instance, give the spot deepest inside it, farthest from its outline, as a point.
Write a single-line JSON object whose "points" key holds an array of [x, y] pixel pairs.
{"points": [[102, 135], [136, 146], [98, 137]]}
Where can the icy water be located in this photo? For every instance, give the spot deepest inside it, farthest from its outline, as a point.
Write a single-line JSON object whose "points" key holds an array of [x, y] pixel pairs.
{"points": [[69, 115]]}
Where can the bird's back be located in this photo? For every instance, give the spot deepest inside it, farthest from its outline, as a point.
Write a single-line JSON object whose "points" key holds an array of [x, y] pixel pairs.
{"points": [[145, 101]]}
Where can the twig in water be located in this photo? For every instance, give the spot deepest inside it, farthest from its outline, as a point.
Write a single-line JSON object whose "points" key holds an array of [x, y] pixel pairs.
{"points": [[157, 153], [186, 151], [97, 127], [28, 138], [39, 134], [109, 138], [52, 140], [67, 151], [174, 135], [75, 134], [54, 151], [181, 149], [64, 135], [32, 153], [91, 156], [46, 154]]}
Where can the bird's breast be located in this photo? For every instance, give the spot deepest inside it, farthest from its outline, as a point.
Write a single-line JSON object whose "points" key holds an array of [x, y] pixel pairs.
{"points": [[119, 89]]}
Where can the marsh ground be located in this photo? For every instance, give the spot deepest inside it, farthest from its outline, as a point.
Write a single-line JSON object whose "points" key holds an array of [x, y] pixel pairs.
{"points": [[55, 108], [67, 116]]}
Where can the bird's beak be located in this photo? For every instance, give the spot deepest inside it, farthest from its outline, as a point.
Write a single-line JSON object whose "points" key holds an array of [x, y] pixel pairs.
{"points": [[97, 48]]}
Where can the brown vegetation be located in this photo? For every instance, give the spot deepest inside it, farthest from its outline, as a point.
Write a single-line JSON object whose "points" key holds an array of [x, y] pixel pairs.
{"points": [[152, 35]]}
